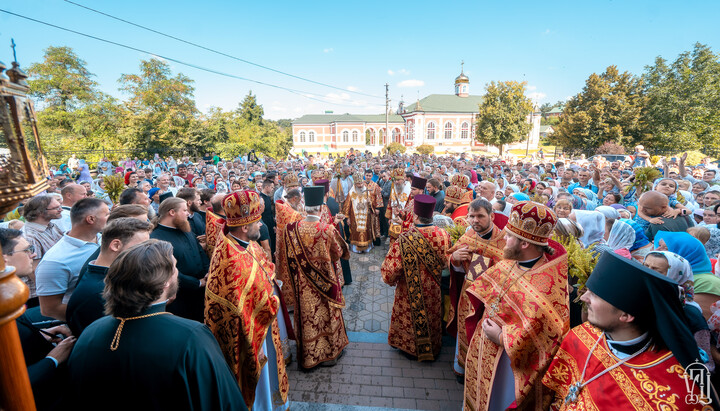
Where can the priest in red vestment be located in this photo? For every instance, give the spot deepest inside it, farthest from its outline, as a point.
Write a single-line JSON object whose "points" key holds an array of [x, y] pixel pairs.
{"points": [[414, 265], [312, 251], [518, 315], [359, 207], [635, 352], [476, 251], [243, 308], [285, 213]]}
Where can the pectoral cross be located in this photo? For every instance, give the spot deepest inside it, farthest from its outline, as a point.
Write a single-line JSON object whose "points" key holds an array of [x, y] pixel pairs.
{"points": [[12, 45]]}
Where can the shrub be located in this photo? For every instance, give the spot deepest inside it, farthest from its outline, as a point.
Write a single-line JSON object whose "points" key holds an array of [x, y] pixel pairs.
{"points": [[425, 149], [610, 147], [395, 148]]}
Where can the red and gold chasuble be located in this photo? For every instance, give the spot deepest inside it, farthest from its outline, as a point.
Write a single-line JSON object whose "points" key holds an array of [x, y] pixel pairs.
{"points": [[240, 309], [531, 306], [485, 254], [213, 227], [398, 199], [651, 381], [413, 265], [459, 216], [359, 208], [284, 215], [312, 251]]}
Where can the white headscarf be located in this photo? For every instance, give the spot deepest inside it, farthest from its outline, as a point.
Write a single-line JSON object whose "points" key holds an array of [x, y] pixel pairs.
{"points": [[622, 235], [593, 225], [680, 271], [609, 212]]}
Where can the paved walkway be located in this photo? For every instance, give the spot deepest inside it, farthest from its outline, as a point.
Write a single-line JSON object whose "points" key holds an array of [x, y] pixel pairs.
{"points": [[371, 373]]}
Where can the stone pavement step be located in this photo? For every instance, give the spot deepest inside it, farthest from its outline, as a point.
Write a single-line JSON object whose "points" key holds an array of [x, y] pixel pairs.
{"points": [[377, 375]]}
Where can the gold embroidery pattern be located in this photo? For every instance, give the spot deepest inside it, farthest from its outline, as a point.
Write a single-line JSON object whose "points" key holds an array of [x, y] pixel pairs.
{"points": [[656, 393]]}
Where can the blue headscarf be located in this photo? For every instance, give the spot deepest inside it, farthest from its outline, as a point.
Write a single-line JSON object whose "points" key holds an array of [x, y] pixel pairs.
{"points": [[641, 239], [520, 196], [688, 247]]}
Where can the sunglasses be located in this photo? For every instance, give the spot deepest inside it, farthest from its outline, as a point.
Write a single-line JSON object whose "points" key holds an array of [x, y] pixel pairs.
{"points": [[29, 250]]}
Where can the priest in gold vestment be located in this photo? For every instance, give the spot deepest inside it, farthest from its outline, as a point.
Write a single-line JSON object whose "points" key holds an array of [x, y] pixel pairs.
{"points": [[359, 207], [414, 265], [243, 306], [518, 316], [312, 250]]}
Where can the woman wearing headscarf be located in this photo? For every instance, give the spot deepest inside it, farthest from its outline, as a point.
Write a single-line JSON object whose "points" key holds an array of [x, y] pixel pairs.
{"points": [[566, 227], [621, 238], [593, 225], [642, 246], [678, 269], [610, 213], [511, 188], [707, 286], [516, 197]]}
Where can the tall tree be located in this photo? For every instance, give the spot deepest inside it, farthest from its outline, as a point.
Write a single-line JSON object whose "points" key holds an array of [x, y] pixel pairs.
{"points": [[607, 109], [161, 108], [683, 101], [61, 81], [503, 114], [250, 110]]}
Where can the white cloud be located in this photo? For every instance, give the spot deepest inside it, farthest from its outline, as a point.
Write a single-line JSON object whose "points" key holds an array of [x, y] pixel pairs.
{"points": [[546, 32], [531, 88], [537, 96], [352, 88], [328, 50], [411, 83], [402, 71]]}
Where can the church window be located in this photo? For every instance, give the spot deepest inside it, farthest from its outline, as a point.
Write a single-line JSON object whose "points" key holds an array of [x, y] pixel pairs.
{"points": [[448, 130], [345, 136], [311, 136], [302, 136], [431, 131], [464, 130], [355, 136]]}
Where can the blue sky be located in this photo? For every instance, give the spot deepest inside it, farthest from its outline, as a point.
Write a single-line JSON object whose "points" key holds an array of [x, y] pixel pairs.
{"points": [[416, 47]]}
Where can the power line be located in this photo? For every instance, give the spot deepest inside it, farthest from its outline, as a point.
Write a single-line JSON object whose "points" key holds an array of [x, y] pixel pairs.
{"points": [[216, 51], [220, 73]]}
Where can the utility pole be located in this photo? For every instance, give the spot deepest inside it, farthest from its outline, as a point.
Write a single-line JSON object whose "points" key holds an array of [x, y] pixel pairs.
{"points": [[387, 108]]}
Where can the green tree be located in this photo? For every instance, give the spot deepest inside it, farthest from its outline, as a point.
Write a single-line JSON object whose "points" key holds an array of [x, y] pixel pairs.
{"points": [[161, 109], [607, 109], [425, 149], [683, 101], [250, 110], [503, 113], [395, 148], [72, 113]]}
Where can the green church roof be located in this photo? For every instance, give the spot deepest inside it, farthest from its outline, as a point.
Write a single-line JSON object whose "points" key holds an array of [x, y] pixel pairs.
{"points": [[347, 118], [447, 103]]}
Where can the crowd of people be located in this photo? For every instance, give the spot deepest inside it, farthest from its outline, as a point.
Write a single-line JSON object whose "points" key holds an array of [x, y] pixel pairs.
{"points": [[190, 290]]}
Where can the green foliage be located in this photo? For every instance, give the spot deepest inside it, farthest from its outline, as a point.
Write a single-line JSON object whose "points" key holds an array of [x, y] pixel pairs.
{"points": [[682, 101], [644, 177], [608, 109], [581, 261], [395, 148], [62, 80], [610, 147], [425, 149], [502, 117]]}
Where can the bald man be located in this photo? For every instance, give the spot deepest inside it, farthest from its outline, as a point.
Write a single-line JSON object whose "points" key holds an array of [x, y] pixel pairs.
{"points": [[654, 204], [71, 194], [487, 191]]}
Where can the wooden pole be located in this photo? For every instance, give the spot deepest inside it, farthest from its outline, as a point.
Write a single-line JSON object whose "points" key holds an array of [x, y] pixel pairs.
{"points": [[15, 391]]}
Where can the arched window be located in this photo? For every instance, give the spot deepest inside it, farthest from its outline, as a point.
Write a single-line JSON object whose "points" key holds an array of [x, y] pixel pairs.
{"points": [[370, 137], [346, 135], [396, 135], [448, 130], [410, 131], [355, 136], [311, 136], [302, 136], [431, 131], [464, 130]]}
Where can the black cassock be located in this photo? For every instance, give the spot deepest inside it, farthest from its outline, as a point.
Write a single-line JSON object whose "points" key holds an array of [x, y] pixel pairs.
{"points": [[162, 362]]}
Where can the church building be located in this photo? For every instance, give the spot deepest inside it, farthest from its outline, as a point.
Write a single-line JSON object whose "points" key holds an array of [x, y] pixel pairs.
{"points": [[445, 121]]}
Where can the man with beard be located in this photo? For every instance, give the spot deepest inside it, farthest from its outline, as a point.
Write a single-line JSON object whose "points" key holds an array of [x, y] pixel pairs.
{"points": [[244, 309], [476, 251], [635, 351], [312, 250], [172, 225], [375, 195], [518, 315], [196, 220], [414, 266], [435, 189], [399, 195], [143, 345], [359, 208]]}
